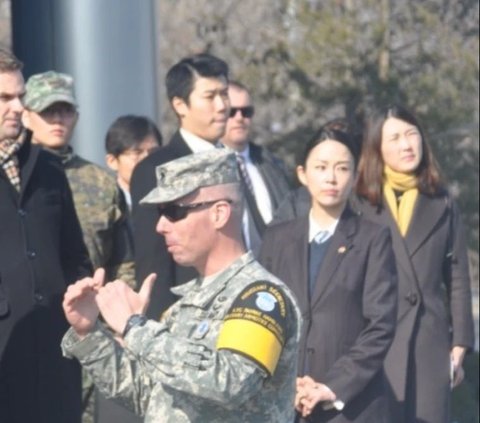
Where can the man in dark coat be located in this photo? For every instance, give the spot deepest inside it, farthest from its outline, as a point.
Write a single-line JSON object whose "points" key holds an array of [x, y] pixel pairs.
{"points": [[198, 93], [264, 177], [41, 251]]}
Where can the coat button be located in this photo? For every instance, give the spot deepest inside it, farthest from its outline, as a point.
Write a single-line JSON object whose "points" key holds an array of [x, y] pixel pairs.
{"points": [[38, 297], [31, 254], [22, 212], [412, 298]]}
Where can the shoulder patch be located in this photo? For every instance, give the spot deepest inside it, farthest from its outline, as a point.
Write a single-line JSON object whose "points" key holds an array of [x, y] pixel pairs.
{"points": [[255, 325]]}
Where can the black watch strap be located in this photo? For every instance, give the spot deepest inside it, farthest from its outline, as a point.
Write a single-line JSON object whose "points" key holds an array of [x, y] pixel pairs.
{"points": [[134, 320]]}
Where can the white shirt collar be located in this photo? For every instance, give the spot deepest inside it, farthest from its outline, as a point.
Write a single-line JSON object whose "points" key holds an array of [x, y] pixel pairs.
{"points": [[314, 228], [196, 143], [245, 153]]}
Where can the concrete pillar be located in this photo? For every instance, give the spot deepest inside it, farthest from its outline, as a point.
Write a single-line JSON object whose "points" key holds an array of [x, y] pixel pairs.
{"points": [[108, 46]]}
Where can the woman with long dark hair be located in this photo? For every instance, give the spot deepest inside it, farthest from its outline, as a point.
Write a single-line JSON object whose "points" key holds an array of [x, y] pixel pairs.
{"points": [[399, 185], [342, 270]]}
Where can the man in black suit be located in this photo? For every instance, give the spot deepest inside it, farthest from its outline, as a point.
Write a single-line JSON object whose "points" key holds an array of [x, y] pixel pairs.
{"points": [[264, 176], [41, 252], [197, 88]]}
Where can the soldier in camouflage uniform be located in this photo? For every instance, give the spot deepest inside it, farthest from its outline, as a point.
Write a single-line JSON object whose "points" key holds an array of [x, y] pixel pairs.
{"points": [[227, 350], [51, 114]]}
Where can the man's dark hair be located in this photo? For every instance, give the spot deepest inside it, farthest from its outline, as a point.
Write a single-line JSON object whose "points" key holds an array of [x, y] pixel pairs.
{"points": [[181, 77], [8, 61], [128, 131]]}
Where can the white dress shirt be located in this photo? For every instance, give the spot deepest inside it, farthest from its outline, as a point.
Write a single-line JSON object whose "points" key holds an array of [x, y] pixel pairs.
{"points": [[262, 197], [196, 144]]}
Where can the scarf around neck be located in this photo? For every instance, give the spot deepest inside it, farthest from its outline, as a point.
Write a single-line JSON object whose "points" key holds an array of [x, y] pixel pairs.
{"points": [[9, 159], [402, 209]]}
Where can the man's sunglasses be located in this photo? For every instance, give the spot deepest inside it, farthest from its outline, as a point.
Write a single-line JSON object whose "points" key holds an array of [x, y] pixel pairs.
{"points": [[176, 212], [247, 112]]}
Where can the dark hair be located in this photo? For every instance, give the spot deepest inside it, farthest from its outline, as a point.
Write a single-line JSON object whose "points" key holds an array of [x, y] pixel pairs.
{"points": [[335, 130], [371, 166], [129, 131], [8, 61], [181, 77]]}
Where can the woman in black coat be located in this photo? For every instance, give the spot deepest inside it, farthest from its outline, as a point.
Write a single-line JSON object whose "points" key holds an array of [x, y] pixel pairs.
{"points": [[341, 268], [400, 185]]}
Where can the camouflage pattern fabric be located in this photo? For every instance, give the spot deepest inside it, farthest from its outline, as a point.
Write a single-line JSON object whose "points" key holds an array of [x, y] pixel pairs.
{"points": [[44, 89], [102, 216], [182, 176], [171, 372]]}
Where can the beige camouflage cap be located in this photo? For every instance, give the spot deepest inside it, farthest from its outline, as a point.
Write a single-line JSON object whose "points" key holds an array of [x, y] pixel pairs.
{"points": [[183, 176], [44, 89]]}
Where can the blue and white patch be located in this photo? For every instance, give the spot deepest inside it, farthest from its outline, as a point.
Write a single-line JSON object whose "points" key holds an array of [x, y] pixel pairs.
{"points": [[202, 328], [265, 301]]}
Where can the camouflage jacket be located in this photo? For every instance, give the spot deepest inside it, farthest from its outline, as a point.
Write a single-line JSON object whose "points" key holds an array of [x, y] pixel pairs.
{"points": [[172, 371], [102, 213]]}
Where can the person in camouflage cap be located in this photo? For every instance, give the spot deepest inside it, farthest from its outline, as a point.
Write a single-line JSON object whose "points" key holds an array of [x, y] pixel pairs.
{"points": [[226, 351], [51, 113]]}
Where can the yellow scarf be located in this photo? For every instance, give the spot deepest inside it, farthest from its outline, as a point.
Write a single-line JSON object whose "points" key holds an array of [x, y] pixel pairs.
{"points": [[406, 183]]}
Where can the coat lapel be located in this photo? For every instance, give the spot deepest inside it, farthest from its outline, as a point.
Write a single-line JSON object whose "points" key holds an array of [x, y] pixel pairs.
{"points": [[27, 160], [178, 145], [383, 216], [341, 242], [428, 211], [298, 268]]}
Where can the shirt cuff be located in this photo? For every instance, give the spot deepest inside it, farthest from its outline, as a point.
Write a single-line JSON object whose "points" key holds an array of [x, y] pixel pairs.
{"points": [[330, 405]]}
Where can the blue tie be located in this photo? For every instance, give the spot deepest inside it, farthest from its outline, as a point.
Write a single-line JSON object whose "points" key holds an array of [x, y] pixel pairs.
{"points": [[321, 237]]}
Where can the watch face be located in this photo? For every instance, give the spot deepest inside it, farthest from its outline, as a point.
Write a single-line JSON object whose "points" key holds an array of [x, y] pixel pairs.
{"points": [[137, 319], [134, 320]]}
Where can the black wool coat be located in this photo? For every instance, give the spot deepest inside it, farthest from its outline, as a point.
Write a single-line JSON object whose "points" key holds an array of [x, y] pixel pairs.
{"points": [[434, 306], [41, 252], [349, 319]]}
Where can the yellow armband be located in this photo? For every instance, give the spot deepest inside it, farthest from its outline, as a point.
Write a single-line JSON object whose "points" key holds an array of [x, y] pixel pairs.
{"points": [[255, 325]]}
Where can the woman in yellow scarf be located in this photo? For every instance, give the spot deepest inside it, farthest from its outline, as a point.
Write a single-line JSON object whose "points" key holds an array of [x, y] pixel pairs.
{"points": [[399, 185]]}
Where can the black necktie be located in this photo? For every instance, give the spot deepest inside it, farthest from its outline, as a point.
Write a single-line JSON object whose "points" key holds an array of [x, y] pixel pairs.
{"points": [[255, 215]]}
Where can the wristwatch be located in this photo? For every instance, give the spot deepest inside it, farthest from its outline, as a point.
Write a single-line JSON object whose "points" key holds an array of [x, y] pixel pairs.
{"points": [[134, 320]]}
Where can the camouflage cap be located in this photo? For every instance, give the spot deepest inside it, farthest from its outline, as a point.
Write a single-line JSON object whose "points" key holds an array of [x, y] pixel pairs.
{"points": [[183, 176], [44, 89]]}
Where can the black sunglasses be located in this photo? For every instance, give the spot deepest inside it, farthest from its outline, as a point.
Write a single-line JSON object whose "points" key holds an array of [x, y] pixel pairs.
{"points": [[247, 112], [176, 212]]}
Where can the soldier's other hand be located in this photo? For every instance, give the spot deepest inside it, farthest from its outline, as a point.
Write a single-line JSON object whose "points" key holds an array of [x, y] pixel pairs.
{"points": [[146, 291], [117, 302], [79, 303]]}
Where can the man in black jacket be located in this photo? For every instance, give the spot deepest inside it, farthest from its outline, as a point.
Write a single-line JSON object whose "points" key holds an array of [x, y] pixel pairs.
{"points": [[197, 88], [41, 251], [264, 177]]}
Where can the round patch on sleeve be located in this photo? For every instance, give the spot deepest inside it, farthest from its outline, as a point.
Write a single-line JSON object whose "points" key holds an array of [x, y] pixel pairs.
{"points": [[255, 325]]}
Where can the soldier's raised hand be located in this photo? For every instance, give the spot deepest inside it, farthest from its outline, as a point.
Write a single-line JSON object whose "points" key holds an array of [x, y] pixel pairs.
{"points": [[117, 302], [79, 303]]}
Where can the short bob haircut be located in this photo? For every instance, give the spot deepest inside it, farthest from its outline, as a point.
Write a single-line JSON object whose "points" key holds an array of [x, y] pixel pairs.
{"points": [[128, 132], [335, 130], [371, 166]]}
